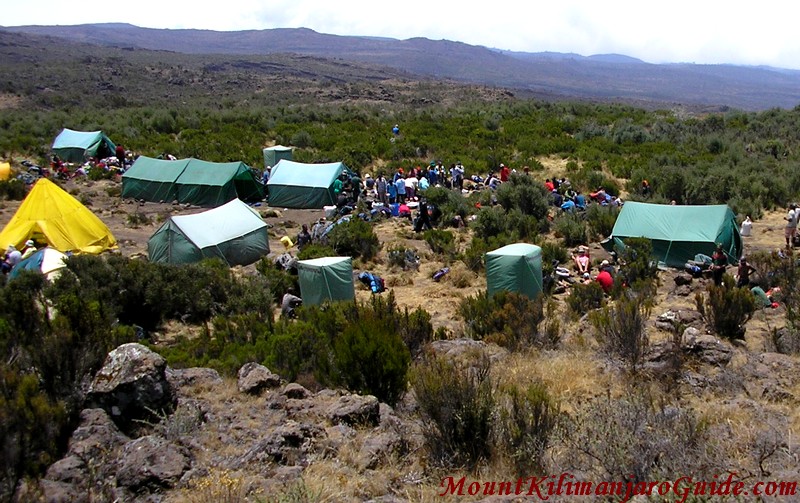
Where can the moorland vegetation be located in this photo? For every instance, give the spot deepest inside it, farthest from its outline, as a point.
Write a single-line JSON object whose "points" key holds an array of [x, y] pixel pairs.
{"points": [[53, 335]]}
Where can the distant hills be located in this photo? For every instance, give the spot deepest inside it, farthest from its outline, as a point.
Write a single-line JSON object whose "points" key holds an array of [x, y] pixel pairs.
{"points": [[608, 77]]}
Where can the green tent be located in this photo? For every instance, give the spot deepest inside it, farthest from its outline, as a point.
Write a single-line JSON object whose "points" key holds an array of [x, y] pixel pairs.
{"points": [[190, 181], [298, 185], [277, 153], [515, 268], [76, 146], [233, 232], [326, 278], [680, 232]]}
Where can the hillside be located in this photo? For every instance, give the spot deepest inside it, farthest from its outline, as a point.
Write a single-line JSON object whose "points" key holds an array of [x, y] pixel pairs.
{"points": [[601, 77], [299, 441]]}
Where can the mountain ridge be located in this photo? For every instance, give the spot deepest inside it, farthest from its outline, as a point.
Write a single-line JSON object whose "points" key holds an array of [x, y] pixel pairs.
{"points": [[597, 77]]}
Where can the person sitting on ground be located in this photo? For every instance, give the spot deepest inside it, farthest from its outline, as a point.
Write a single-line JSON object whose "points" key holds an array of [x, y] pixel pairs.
{"points": [[403, 211], [289, 302], [582, 261], [303, 238], [743, 273], [30, 249], [606, 266]]}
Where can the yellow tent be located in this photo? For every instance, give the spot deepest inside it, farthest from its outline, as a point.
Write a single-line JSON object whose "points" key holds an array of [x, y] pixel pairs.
{"points": [[49, 214], [5, 171]]}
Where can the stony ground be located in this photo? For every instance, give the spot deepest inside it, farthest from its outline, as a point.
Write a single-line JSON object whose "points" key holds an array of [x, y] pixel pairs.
{"points": [[281, 442]]}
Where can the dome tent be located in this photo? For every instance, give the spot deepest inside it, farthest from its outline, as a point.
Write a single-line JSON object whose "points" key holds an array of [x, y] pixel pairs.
{"points": [[76, 146]]}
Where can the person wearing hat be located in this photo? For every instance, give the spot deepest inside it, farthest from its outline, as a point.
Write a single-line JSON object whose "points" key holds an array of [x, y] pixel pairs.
{"points": [[30, 249]]}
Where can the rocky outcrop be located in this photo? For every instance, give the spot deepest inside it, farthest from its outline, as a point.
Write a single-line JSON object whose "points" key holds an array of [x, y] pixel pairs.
{"points": [[355, 410], [150, 462], [132, 386], [255, 378], [705, 347]]}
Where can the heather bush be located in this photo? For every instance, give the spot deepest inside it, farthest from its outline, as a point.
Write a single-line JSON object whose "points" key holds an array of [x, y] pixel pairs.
{"points": [[456, 404], [620, 329], [508, 319], [571, 228], [584, 298], [601, 220], [441, 242], [527, 423], [726, 308], [354, 238]]}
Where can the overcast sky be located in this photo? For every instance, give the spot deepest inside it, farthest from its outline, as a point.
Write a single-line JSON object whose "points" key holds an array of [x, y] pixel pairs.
{"points": [[681, 31]]}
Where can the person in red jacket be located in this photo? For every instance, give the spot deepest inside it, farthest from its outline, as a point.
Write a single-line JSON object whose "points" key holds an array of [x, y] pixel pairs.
{"points": [[605, 280]]}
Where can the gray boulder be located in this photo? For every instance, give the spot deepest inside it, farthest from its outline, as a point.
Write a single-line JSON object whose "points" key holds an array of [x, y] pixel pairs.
{"points": [[355, 410], [255, 378], [132, 385], [705, 347], [150, 462]]}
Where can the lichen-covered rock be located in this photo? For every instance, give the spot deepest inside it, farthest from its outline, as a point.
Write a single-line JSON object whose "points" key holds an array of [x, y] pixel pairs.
{"points": [[150, 462], [355, 410], [132, 385], [255, 378]]}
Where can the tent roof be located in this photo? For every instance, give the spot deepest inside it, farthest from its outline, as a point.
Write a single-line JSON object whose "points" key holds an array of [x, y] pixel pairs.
{"points": [[305, 175], [323, 261], [156, 170], [280, 148], [223, 223], [51, 213], [46, 261], [69, 138], [516, 249], [671, 222], [199, 172]]}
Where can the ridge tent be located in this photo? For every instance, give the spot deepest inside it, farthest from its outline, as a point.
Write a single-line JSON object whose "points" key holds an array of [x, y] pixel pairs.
{"points": [[47, 261], [299, 185], [326, 278], [49, 214], [515, 268], [75, 146], [679, 232], [190, 181], [233, 232], [272, 155]]}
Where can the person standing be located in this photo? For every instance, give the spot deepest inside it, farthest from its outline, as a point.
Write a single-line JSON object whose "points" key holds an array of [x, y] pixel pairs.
{"points": [[791, 225], [719, 261], [380, 188], [400, 185]]}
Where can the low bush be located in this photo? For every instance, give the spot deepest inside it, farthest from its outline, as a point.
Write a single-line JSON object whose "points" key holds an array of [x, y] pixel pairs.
{"points": [[621, 331], [354, 238], [528, 421], [315, 250], [456, 404], [584, 298], [441, 242], [571, 229], [726, 308], [13, 189], [508, 319], [601, 219]]}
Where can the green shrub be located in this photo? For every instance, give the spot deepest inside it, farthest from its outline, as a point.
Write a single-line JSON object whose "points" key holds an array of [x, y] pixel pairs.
{"points": [[526, 194], [636, 262], [371, 358], [571, 228], [354, 238], [601, 219], [315, 250], [138, 219], [621, 329], [456, 404], [528, 419], [584, 298], [508, 319], [726, 308], [473, 256], [451, 203], [13, 189], [279, 281], [441, 242]]}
